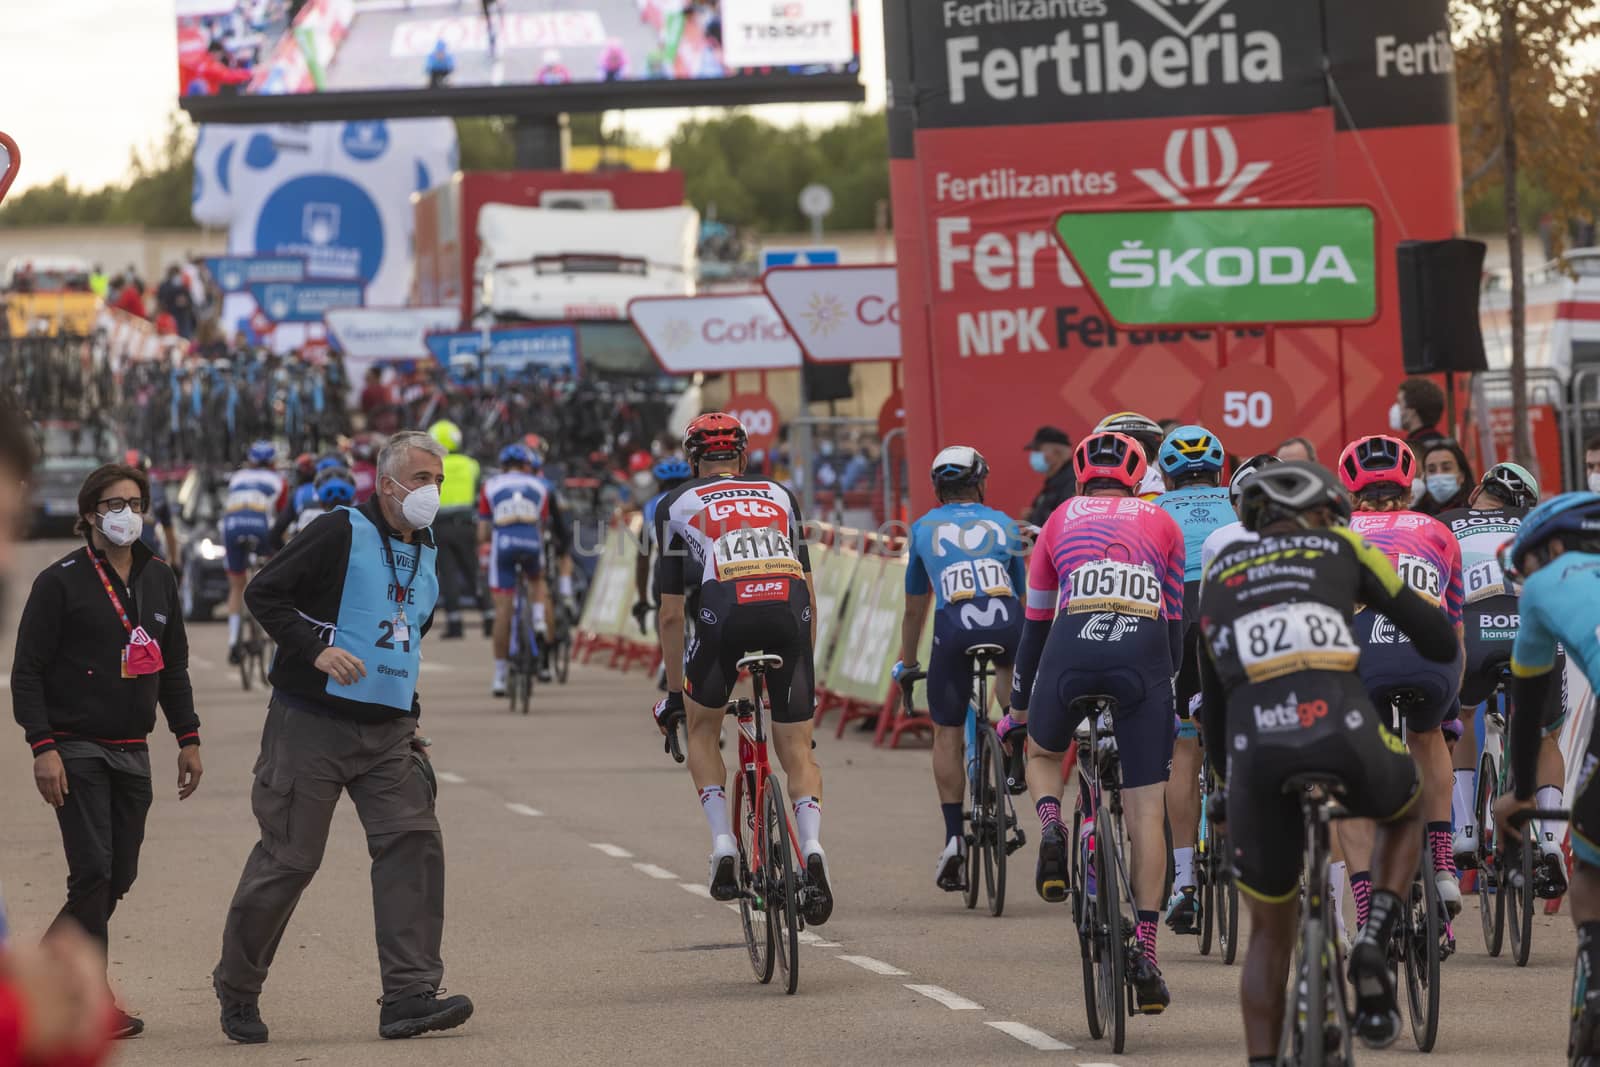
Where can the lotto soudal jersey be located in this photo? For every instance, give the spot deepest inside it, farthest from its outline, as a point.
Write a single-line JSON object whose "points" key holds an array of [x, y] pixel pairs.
{"points": [[1199, 511], [1107, 554], [255, 489], [728, 529], [965, 552], [515, 499], [1422, 551], [1480, 535]]}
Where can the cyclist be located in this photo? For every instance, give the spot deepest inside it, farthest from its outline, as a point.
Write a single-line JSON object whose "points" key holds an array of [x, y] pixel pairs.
{"points": [[669, 473], [732, 554], [1281, 697], [364, 465], [1379, 471], [515, 509], [967, 561], [1191, 460], [1225, 535], [1108, 568], [335, 486], [305, 476], [302, 502], [1493, 515], [256, 492], [1148, 433], [1556, 553]]}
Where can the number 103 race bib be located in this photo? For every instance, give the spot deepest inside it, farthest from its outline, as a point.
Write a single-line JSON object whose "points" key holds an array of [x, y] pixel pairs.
{"points": [[1286, 638], [1110, 585]]}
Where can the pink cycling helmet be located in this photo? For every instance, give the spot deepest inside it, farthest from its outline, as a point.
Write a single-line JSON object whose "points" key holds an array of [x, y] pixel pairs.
{"points": [[1377, 460], [1109, 455]]}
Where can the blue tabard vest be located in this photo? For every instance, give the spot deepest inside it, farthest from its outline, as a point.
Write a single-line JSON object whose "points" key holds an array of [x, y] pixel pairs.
{"points": [[369, 609]]}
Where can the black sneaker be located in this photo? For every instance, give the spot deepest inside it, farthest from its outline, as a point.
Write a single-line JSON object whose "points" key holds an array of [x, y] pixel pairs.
{"points": [[235, 655], [126, 1026], [422, 1014], [819, 902], [1150, 994], [241, 1020], [1377, 1015], [453, 629], [1050, 876]]}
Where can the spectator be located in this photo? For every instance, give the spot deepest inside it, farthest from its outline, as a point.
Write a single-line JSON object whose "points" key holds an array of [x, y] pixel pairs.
{"points": [[551, 70], [1447, 475], [129, 295], [1297, 449], [380, 403], [1418, 407], [439, 65], [174, 299], [1050, 454], [861, 473], [99, 284], [101, 642], [1591, 464]]}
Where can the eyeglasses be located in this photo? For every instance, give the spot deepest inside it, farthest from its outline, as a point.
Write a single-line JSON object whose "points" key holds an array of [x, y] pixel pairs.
{"points": [[117, 504]]}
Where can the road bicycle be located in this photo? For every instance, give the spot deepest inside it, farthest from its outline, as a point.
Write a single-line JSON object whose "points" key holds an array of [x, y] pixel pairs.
{"points": [[1317, 1027], [522, 658], [1580, 977], [1219, 894], [992, 832], [253, 657]]}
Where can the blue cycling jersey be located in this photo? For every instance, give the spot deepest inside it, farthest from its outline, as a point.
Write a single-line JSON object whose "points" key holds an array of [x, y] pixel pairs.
{"points": [[1199, 511], [965, 551], [1558, 606]]}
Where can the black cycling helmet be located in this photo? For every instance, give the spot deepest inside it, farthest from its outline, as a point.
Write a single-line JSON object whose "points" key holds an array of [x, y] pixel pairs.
{"points": [[1513, 483], [1288, 491], [1247, 470]]}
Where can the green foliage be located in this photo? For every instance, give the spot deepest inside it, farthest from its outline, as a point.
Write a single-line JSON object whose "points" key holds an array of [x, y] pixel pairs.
{"points": [[156, 193]]}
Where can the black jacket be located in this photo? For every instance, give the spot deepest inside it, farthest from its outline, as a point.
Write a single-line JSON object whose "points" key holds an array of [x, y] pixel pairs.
{"points": [[1057, 488], [308, 577], [66, 678]]}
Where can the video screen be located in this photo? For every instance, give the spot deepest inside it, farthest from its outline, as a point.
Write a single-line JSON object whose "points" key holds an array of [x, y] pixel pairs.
{"points": [[281, 47]]}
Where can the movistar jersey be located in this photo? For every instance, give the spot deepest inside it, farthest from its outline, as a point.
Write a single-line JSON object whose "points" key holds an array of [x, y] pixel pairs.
{"points": [[1560, 606], [965, 551], [1199, 511]]}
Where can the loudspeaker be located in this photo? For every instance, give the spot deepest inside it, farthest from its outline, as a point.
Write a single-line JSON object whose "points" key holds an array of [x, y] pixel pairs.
{"points": [[827, 381], [1439, 286]]}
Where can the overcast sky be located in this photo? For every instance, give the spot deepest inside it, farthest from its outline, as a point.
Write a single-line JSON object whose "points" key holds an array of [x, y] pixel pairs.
{"points": [[84, 81]]}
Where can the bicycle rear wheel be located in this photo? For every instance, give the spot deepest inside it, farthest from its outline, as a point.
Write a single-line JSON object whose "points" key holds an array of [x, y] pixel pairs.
{"points": [[1519, 899], [753, 914], [783, 895], [1206, 874], [1083, 917], [561, 657], [1306, 1004], [1227, 903], [248, 637], [1491, 875], [974, 840], [992, 787], [1420, 956], [1113, 986]]}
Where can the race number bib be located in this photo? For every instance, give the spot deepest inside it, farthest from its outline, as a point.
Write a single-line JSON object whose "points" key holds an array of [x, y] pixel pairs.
{"points": [[1285, 638], [1484, 579], [971, 578], [757, 552], [1110, 585], [1421, 576], [518, 511]]}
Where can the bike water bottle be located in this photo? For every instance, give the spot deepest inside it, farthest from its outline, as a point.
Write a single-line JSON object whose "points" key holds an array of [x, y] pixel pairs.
{"points": [[1086, 849]]}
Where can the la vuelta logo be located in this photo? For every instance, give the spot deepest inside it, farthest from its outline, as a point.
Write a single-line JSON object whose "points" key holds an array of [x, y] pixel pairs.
{"points": [[1200, 161]]}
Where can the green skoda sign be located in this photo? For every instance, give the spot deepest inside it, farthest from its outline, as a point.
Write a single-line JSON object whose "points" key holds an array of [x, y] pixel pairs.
{"points": [[1228, 266]]}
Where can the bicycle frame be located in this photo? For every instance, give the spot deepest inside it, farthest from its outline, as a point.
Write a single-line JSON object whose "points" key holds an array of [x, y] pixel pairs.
{"points": [[1105, 798], [757, 767]]}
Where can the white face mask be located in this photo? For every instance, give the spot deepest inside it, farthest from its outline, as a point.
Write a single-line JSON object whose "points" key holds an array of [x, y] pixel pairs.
{"points": [[1396, 423], [122, 528], [1594, 482], [419, 506], [1419, 489]]}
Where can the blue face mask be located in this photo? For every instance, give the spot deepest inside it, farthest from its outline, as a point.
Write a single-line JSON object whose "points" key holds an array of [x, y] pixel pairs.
{"points": [[1039, 464], [1443, 486]]}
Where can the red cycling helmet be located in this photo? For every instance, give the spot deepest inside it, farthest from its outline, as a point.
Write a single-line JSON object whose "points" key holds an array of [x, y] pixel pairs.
{"points": [[136, 459], [714, 435], [1114, 456], [305, 465], [1377, 460], [640, 461]]}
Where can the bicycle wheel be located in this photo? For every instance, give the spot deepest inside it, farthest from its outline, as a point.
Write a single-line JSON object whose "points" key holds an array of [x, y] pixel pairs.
{"points": [[1227, 904], [1420, 956], [758, 933], [992, 786], [247, 642], [1205, 864], [783, 898], [1491, 878], [1083, 916], [1519, 898], [974, 839], [561, 656], [1113, 986]]}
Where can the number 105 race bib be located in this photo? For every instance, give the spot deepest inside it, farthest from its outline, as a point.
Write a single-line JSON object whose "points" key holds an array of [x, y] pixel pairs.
{"points": [[1110, 585], [1286, 638]]}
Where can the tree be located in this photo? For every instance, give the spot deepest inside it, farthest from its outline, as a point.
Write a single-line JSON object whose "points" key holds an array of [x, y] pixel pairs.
{"points": [[1525, 109], [156, 193]]}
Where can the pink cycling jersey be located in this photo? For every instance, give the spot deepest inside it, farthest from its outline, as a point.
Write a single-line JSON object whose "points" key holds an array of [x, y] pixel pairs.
{"points": [[1422, 549], [1116, 554]]}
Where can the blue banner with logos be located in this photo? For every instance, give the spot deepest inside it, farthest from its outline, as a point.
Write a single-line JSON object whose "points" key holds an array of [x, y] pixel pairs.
{"points": [[236, 274], [513, 349], [305, 301]]}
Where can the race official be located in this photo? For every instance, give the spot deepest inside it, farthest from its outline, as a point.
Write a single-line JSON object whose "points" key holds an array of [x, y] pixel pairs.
{"points": [[348, 602], [457, 529]]}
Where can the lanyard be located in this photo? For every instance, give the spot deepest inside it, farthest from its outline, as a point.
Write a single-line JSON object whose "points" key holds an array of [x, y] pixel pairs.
{"points": [[393, 572], [116, 602]]}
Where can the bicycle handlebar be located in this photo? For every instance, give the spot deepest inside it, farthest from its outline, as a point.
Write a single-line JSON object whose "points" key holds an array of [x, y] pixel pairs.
{"points": [[1522, 818], [907, 680], [674, 747]]}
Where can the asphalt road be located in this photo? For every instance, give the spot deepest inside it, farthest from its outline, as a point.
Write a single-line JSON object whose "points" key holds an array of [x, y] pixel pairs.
{"points": [[578, 923]]}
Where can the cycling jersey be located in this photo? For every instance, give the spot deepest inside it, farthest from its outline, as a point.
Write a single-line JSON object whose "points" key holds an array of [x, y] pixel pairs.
{"points": [[1199, 510], [1423, 552], [304, 496], [1119, 555], [366, 476], [1220, 539], [517, 505], [254, 495], [1153, 484], [306, 517]]}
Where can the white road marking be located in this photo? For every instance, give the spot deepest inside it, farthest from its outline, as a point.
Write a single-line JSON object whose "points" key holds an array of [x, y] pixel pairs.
{"points": [[950, 1000], [655, 872], [613, 851], [867, 963], [450, 776], [696, 888], [436, 668], [523, 809], [1029, 1036], [809, 938]]}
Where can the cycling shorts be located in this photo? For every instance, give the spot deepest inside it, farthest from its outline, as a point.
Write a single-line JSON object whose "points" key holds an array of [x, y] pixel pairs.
{"points": [[1489, 630], [1303, 723], [950, 672], [1391, 664], [243, 532], [1120, 656], [734, 619], [509, 550]]}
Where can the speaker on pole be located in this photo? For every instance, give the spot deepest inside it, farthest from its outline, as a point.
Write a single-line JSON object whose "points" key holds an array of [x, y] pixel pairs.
{"points": [[1439, 286]]}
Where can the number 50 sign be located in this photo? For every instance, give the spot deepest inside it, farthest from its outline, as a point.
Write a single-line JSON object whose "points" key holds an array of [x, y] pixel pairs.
{"points": [[1250, 407]]}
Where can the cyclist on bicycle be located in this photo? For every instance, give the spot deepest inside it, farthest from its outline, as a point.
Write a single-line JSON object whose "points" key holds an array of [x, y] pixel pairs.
{"points": [[670, 473], [1493, 515], [1148, 433], [733, 560], [1191, 460], [1108, 569], [1281, 697], [1378, 471], [1227, 534], [305, 476], [1556, 554], [968, 562], [515, 509], [302, 502], [256, 493]]}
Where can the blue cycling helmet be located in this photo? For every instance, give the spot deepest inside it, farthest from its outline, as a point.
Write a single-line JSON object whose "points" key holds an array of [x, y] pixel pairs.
{"points": [[263, 452], [335, 485], [515, 454], [328, 463], [672, 469], [1190, 450], [1565, 515]]}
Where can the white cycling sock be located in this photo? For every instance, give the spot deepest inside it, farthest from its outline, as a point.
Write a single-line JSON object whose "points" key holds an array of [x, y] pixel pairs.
{"points": [[1464, 799], [1336, 880], [499, 670], [1183, 866], [808, 819], [714, 802], [1549, 798], [538, 616], [233, 630]]}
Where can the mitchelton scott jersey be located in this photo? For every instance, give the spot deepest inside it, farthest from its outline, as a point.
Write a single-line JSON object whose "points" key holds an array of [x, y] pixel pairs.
{"points": [[728, 529], [1422, 551], [1480, 533], [1107, 554]]}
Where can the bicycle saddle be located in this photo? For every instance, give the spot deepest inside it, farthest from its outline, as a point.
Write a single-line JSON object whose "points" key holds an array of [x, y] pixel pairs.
{"points": [[985, 651], [760, 662], [1308, 780]]}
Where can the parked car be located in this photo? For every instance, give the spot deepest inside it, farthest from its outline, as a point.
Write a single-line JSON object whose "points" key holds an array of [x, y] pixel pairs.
{"points": [[199, 518], [68, 451]]}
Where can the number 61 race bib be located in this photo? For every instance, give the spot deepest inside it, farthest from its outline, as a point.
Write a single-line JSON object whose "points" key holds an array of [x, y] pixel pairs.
{"points": [[1286, 638]]}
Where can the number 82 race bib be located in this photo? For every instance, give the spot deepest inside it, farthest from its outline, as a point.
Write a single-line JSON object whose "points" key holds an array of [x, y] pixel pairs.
{"points": [[1286, 638]]}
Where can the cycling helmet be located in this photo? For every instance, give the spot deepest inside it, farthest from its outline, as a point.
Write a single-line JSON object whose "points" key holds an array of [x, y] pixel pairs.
{"points": [[534, 442], [1378, 460], [1288, 490], [305, 465], [263, 452], [327, 463], [640, 461], [137, 460], [518, 454], [1191, 450], [1112, 456], [1247, 470], [447, 434], [1131, 423], [1512, 483], [364, 449], [672, 469], [714, 435], [958, 467], [335, 485], [1565, 515]]}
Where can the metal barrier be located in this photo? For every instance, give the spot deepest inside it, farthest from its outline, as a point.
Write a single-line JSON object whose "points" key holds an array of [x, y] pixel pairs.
{"points": [[1583, 420], [1492, 389]]}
